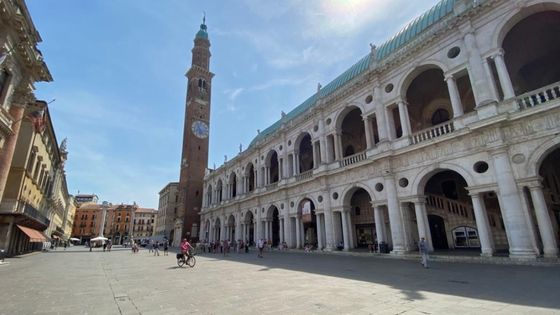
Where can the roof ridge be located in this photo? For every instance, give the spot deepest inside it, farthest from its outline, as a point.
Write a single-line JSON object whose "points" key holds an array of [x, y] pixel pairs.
{"points": [[418, 25]]}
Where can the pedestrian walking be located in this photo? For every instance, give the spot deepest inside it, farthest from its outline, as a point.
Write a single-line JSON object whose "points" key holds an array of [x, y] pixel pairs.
{"points": [[260, 245], [151, 246], [104, 246], [109, 245], [156, 248], [423, 247], [165, 248], [65, 245], [246, 246]]}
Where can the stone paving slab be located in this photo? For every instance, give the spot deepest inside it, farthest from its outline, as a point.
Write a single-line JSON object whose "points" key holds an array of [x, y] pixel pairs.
{"points": [[77, 281]]}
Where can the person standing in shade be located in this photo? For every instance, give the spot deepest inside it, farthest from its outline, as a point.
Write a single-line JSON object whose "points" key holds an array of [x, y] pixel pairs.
{"points": [[156, 248], [165, 248], [260, 245], [423, 247]]}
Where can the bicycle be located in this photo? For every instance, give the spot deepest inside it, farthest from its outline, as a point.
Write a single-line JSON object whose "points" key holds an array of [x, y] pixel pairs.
{"points": [[190, 261]]}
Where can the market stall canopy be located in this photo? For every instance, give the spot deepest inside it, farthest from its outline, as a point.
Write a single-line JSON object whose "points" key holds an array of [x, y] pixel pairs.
{"points": [[99, 238], [74, 239]]}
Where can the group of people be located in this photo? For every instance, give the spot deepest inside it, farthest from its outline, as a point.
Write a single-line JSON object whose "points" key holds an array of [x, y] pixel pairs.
{"points": [[154, 247]]}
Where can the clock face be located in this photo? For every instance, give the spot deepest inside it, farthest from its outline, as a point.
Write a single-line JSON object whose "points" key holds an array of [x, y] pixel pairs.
{"points": [[200, 129]]}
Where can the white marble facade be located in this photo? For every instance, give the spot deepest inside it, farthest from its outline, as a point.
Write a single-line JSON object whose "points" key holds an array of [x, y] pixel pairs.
{"points": [[453, 136]]}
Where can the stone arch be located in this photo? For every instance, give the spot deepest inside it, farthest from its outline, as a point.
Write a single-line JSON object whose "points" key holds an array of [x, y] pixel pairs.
{"points": [[538, 155], [509, 20], [272, 161], [352, 131], [209, 194], [412, 73], [233, 183], [419, 182], [250, 174], [219, 191], [301, 198], [339, 117], [304, 147], [270, 210], [530, 69], [349, 191]]}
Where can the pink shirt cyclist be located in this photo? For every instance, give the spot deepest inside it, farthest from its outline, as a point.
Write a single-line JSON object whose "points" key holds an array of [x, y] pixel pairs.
{"points": [[185, 245]]}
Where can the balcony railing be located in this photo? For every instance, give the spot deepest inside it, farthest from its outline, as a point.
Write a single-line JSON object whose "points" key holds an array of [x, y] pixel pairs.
{"points": [[450, 206], [352, 159], [433, 132], [305, 175], [31, 212], [272, 186], [538, 97]]}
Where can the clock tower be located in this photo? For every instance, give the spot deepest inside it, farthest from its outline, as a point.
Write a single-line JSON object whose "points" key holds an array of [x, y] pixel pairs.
{"points": [[194, 159]]}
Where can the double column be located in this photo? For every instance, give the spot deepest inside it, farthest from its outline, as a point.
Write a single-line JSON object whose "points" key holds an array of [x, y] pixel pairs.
{"points": [[395, 216], [519, 236], [503, 75], [20, 99], [405, 119], [454, 96], [550, 246]]}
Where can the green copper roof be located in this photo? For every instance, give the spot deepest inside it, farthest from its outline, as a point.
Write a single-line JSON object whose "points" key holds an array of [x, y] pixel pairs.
{"points": [[202, 33], [404, 36]]}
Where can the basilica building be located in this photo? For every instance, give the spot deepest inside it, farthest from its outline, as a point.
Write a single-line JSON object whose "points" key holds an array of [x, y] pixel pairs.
{"points": [[449, 131]]}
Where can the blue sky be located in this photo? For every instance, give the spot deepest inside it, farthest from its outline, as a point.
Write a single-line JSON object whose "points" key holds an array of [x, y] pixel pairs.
{"points": [[120, 89]]}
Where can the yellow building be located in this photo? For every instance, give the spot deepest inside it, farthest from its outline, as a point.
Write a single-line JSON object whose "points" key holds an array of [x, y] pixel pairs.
{"points": [[33, 208]]}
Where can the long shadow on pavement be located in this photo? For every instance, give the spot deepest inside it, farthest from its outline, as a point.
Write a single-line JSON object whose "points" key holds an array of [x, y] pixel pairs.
{"points": [[518, 285]]}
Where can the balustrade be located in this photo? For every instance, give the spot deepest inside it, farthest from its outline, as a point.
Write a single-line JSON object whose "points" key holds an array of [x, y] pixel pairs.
{"points": [[450, 206], [352, 159], [538, 97], [305, 175], [433, 132]]}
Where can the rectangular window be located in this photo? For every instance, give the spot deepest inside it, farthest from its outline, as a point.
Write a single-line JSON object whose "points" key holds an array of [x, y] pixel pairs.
{"points": [[5, 78]]}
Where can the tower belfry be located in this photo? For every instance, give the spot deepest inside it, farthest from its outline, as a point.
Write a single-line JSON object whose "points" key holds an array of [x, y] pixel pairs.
{"points": [[194, 159]]}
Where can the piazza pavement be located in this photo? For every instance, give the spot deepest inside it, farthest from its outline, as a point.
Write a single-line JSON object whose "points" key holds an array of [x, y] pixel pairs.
{"points": [[76, 281]]}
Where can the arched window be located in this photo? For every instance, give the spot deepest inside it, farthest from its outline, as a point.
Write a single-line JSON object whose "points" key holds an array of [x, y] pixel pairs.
{"points": [[440, 116]]}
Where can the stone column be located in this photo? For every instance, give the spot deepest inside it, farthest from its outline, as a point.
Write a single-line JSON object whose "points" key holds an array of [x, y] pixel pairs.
{"points": [[287, 229], [281, 229], [338, 146], [314, 155], [345, 234], [294, 157], [323, 149], [407, 218], [490, 76], [379, 224], [256, 179], [380, 114], [422, 222], [266, 229], [479, 81], [503, 75], [329, 227], [484, 233], [298, 232], [369, 136], [7, 153], [550, 247], [510, 203], [320, 243], [392, 131], [405, 123], [237, 229], [454, 96], [395, 218]]}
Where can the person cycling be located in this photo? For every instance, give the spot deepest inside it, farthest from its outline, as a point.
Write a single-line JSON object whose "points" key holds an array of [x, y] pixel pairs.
{"points": [[185, 246]]}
